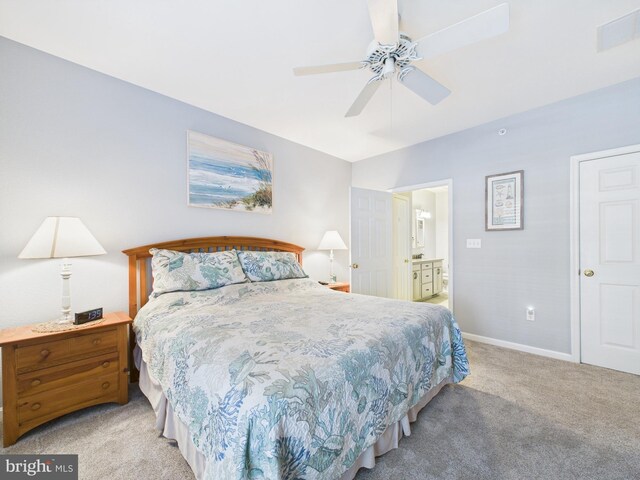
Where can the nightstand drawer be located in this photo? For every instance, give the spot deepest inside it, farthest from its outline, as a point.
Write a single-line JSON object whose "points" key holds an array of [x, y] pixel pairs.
{"points": [[42, 355], [66, 374], [38, 356], [94, 342], [68, 398]]}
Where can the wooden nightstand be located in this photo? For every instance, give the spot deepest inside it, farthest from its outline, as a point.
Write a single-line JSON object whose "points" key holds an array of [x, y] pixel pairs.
{"points": [[340, 287], [47, 375]]}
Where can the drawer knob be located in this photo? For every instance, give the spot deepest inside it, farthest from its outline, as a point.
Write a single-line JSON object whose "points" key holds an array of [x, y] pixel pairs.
{"points": [[106, 364], [96, 341], [105, 385], [44, 353], [35, 382], [35, 406]]}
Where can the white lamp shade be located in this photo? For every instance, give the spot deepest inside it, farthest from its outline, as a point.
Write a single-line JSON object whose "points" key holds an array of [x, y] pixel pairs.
{"points": [[332, 241], [62, 237]]}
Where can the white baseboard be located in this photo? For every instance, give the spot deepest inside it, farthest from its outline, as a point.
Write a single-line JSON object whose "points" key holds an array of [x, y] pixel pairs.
{"points": [[518, 346]]}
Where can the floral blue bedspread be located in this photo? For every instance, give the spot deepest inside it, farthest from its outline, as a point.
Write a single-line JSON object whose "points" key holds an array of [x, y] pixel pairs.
{"points": [[289, 379]]}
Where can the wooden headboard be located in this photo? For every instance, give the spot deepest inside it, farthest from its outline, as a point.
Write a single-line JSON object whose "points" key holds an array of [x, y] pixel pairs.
{"points": [[139, 259]]}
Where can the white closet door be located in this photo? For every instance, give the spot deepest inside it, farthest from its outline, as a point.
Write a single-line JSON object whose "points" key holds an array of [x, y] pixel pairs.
{"points": [[610, 262]]}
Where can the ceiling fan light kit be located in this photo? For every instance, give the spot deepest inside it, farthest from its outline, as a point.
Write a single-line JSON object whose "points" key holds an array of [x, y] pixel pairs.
{"points": [[385, 60], [394, 52]]}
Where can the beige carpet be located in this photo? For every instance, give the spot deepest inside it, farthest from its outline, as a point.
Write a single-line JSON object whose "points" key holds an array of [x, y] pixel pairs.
{"points": [[518, 416]]}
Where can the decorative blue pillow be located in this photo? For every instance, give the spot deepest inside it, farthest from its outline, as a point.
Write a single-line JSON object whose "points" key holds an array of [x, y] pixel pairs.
{"points": [[177, 271], [267, 266]]}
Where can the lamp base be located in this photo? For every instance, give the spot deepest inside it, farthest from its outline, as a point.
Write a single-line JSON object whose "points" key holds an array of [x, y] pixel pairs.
{"points": [[63, 320], [65, 273], [332, 276]]}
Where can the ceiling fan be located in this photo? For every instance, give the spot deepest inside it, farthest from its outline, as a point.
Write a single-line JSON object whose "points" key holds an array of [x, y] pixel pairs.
{"points": [[394, 52]]}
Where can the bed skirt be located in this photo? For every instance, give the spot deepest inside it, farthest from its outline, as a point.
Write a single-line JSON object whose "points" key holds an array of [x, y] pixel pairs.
{"points": [[174, 429]]}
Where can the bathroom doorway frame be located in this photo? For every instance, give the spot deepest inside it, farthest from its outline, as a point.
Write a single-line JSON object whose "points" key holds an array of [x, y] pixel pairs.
{"points": [[448, 182]]}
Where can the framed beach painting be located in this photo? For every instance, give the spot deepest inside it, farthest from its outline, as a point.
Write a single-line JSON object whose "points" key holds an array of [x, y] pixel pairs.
{"points": [[504, 201], [226, 175]]}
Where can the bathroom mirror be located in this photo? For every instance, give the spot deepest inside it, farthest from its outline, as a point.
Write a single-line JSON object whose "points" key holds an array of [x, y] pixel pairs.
{"points": [[419, 235]]}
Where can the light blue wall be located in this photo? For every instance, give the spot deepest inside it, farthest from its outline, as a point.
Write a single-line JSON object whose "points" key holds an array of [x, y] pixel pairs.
{"points": [[76, 142], [514, 269]]}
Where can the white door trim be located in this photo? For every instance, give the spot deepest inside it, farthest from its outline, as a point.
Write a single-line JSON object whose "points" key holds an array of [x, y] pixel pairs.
{"points": [[439, 183], [574, 236], [407, 242]]}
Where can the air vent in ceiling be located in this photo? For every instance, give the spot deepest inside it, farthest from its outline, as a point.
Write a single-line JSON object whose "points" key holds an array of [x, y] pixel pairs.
{"points": [[619, 31]]}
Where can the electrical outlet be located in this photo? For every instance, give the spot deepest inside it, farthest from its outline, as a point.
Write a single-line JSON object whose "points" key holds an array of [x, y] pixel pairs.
{"points": [[474, 243], [531, 314]]}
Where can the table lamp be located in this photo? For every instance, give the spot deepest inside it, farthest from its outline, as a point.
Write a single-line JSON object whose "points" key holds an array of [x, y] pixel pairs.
{"points": [[331, 241], [62, 237]]}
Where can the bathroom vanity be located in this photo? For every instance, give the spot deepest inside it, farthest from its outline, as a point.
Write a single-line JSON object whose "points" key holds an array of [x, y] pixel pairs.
{"points": [[427, 278]]}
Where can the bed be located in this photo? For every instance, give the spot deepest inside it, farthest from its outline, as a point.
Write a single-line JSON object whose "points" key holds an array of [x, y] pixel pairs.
{"points": [[284, 379]]}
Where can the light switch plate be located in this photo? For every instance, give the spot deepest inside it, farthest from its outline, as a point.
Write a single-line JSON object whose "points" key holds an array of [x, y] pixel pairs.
{"points": [[474, 243]]}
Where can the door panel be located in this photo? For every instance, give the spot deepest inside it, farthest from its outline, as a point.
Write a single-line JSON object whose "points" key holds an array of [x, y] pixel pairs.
{"points": [[371, 242], [616, 230], [616, 316], [610, 262], [417, 285], [437, 280]]}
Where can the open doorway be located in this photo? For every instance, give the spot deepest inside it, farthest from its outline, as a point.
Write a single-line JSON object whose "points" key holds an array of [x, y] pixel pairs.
{"points": [[429, 235]]}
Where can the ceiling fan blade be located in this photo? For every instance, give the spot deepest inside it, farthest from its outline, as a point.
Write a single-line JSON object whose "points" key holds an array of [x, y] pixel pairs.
{"points": [[336, 67], [384, 20], [422, 84], [487, 24], [365, 95]]}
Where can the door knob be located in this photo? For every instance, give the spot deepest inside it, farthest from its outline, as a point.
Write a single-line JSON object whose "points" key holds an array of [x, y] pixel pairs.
{"points": [[588, 273], [355, 265], [406, 260]]}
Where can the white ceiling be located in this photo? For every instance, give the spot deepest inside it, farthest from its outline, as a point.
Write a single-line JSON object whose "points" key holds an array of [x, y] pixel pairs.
{"points": [[234, 58]]}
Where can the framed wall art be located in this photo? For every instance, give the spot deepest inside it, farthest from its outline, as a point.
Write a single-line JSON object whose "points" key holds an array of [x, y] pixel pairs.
{"points": [[226, 175], [504, 201]]}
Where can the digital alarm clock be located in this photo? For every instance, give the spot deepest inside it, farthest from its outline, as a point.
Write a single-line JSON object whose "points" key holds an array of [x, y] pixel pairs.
{"points": [[88, 316]]}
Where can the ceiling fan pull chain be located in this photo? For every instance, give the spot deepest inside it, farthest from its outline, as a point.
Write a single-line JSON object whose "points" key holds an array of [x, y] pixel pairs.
{"points": [[391, 105]]}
